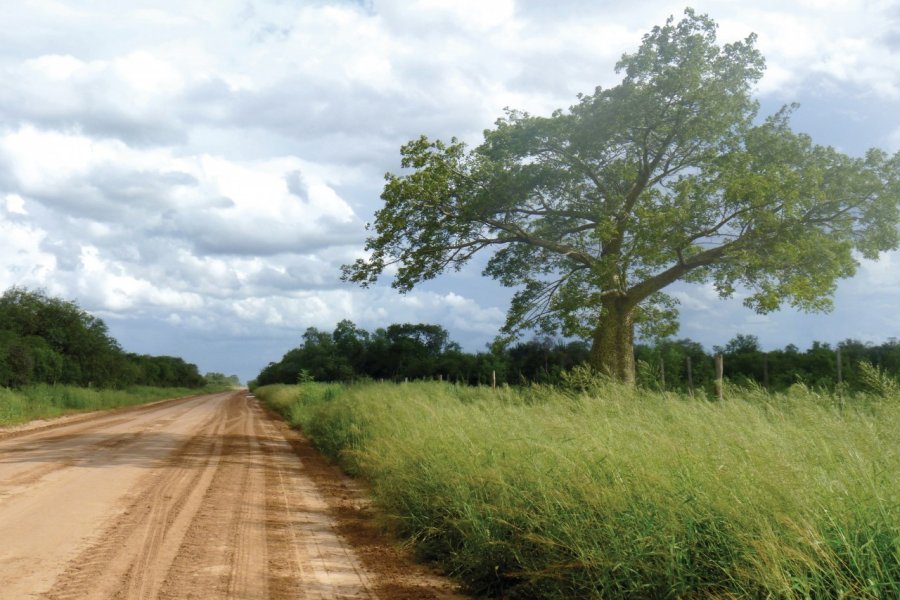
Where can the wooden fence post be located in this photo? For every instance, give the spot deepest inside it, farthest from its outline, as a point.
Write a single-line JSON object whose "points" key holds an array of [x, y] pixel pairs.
{"points": [[840, 375], [720, 374], [494, 380], [840, 380], [690, 377]]}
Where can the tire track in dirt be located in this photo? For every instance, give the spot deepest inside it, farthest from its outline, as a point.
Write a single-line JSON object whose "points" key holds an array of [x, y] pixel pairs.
{"points": [[91, 420], [299, 515], [133, 550], [216, 558], [250, 544], [207, 497], [67, 449]]}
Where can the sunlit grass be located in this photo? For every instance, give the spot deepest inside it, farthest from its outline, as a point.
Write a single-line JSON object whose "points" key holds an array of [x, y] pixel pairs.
{"points": [[624, 493]]}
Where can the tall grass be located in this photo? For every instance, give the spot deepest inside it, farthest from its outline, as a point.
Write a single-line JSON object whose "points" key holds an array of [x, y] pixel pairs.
{"points": [[45, 401], [620, 493]]}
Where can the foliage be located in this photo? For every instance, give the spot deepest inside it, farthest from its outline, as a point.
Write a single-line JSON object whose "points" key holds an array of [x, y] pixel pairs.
{"points": [[50, 340], [583, 379], [670, 175], [409, 351], [222, 380], [877, 381], [418, 351], [622, 493]]}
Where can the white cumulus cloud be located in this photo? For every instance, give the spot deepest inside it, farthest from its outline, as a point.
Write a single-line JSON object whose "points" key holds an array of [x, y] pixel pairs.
{"points": [[211, 165]]}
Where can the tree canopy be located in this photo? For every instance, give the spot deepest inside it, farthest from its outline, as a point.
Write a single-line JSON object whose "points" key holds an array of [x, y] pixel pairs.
{"points": [[670, 175], [51, 340]]}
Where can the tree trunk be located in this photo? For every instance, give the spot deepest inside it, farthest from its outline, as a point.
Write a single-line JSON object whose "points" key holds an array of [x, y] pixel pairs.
{"points": [[612, 351]]}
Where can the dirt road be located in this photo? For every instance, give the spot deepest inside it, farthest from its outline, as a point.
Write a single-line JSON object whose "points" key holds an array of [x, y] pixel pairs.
{"points": [[207, 497]]}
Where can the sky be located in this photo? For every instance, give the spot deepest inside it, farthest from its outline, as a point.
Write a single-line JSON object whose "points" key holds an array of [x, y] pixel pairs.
{"points": [[196, 172]]}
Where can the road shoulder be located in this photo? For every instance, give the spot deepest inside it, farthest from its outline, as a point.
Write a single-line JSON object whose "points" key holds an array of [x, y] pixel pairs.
{"points": [[393, 570]]}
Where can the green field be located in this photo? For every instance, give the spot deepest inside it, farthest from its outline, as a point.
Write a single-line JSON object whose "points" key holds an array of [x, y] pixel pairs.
{"points": [[616, 492], [44, 401]]}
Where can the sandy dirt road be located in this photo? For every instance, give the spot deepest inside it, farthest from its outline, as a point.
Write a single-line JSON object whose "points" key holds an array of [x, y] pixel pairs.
{"points": [[206, 497]]}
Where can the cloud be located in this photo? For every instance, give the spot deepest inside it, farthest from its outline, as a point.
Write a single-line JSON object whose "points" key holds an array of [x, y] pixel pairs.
{"points": [[825, 44], [126, 97], [695, 297], [211, 165], [15, 204], [894, 140], [21, 256], [214, 204]]}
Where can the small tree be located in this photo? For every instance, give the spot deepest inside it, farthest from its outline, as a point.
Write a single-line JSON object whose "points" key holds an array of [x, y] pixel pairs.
{"points": [[667, 176]]}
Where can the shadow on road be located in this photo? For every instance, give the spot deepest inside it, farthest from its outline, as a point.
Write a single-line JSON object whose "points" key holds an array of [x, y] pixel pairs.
{"points": [[147, 449]]}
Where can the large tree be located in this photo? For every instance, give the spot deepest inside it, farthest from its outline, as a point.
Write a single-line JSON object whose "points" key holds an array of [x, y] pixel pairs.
{"points": [[670, 175]]}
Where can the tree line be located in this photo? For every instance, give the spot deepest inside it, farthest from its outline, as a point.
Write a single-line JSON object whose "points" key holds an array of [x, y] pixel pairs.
{"points": [[51, 340], [665, 363], [222, 380], [407, 351]]}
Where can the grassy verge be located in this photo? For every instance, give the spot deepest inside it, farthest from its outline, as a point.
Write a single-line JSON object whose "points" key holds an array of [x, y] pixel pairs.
{"points": [[618, 493], [46, 401]]}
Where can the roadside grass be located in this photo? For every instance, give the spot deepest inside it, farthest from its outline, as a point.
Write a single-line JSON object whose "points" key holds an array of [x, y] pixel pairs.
{"points": [[614, 492], [44, 401]]}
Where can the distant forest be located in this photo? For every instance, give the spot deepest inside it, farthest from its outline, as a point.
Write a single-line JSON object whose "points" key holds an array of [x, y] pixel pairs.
{"points": [[50, 340], [422, 351]]}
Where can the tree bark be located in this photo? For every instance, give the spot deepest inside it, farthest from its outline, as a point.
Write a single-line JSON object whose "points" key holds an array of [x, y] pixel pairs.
{"points": [[612, 351]]}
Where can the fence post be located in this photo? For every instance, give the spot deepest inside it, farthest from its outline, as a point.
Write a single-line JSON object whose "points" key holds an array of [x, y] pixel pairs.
{"points": [[690, 377], [494, 380], [840, 375], [720, 374]]}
